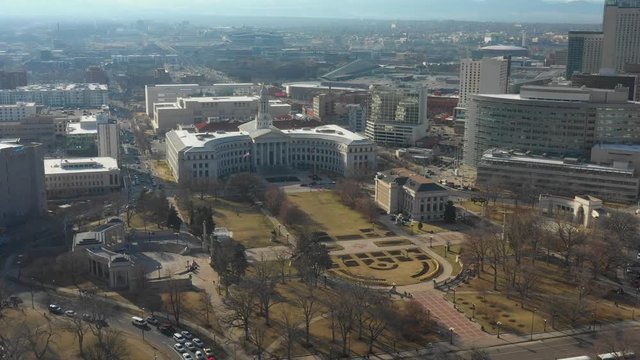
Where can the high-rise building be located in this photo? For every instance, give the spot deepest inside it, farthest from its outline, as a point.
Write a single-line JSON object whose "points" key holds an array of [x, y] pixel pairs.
{"points": [[397, 116], [96, 74], [556, 120], [58, 95], [585, 52], [621, 41], [22, 187], [12, 79], [489, 75]]}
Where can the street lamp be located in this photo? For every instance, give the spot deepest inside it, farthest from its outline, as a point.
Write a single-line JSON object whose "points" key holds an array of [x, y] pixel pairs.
{"points": [[545, 325], [451, 335], [533, 313], [498, 324], [430, 241], [473, 311]]}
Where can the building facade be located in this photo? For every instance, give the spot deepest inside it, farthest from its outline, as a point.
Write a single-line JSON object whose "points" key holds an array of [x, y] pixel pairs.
{"points": [[36, 129], [169, 93], [518, 172], [58, 95], [22, 185], [189, 111], [598, 81], [401, 191], [17, 111], [621, 41], [397, 117], [259, 146], [485, 76], [73, 177], [584, 52], [557, 120]]}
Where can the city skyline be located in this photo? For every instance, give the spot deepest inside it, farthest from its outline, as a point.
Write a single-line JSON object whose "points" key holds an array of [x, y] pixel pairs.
{"points": [[548, 11]]}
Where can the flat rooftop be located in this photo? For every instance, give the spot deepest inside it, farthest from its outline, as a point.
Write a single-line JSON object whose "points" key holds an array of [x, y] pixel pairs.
{"points": [[79, 165], [503, 156], [61, 87]]}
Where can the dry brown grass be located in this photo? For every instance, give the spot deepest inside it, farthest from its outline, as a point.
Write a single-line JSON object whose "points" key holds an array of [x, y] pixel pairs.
{"points": [[161, 168], [327, 213], [515, 315]]}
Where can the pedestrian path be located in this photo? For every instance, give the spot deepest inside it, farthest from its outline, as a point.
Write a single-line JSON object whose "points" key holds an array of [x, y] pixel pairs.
{"points": [[447, 316]]}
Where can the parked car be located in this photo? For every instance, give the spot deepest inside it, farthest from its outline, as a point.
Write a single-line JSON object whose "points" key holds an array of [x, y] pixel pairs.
{"points": [[166, 329], [208, 352], [152, 320], [179, 347], [197, 342], [179, 338], [70, 313], [189, 345], [138, 321], [187, 356], [200, 355], [55, 309], [186, 334]]}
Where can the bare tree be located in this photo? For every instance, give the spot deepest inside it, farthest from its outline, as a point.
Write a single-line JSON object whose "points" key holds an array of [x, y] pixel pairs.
{"points": [[110, 346], [283, 258], [344, 320], [290, 333], [72, 264], [478, 245], [569, 236], [39, 339], [241, 301], [527, 281], [264, 287], [274, 198], [174, 299], [78, 328], [375, 319], [307, 303], [205, 298], [258, 338]]}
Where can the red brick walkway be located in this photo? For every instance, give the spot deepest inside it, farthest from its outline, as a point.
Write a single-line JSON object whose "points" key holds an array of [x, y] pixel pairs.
{"points": [[444, 313]]}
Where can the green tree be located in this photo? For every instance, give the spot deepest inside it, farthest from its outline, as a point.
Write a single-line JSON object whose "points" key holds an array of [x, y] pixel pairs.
{"points": [[449, 212], [173, 220], [311, 258], [202, 215], [229, 260]]}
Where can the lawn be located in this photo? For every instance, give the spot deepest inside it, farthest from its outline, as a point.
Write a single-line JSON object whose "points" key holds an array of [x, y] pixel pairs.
{"points": [[249, 225], [328, 214], [553, 289], [451, 256], [163, 171]]}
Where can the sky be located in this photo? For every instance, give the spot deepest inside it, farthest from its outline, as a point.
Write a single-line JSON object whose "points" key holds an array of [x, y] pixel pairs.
{"points": [[555, 11]]}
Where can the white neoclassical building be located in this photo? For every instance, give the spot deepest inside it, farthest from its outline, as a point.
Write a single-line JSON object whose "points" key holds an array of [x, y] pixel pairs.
{"points": [[260, 146]]}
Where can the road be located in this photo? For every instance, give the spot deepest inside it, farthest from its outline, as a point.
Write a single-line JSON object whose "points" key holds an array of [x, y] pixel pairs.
{"points": [[570, 346], [118, 319]]}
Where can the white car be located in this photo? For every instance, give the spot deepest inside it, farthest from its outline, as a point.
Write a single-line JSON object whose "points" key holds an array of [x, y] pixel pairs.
{"points": [[187, 356], [179, 348], [208, 351], [179, 338], [190, 346], [197, 342], [200, 355], [70, 313]]}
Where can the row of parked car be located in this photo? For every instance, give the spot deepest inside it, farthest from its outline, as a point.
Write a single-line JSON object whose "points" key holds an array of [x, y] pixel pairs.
{"points": [[185, 341], [58, 310]]}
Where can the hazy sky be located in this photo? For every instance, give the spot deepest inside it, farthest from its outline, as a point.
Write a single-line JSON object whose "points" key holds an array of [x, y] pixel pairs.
{"points": [[564, 11]]}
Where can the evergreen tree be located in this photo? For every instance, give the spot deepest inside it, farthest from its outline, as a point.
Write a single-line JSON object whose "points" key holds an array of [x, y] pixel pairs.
{"points": [[173, 220]]}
